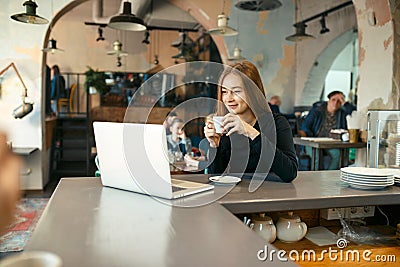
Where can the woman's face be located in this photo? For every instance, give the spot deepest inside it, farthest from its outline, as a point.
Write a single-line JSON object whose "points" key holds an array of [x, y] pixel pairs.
{"points": [[176, 128], [233, 95]]}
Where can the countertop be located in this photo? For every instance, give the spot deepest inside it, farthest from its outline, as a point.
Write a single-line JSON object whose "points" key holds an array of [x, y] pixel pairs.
{"points": [[91, 225]]}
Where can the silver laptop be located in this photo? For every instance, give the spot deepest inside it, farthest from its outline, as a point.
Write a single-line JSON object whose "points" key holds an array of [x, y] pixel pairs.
{"points": [[134, 157]]}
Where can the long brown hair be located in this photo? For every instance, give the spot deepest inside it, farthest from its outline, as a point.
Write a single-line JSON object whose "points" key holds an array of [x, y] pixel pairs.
{"points": [[252, 79]]}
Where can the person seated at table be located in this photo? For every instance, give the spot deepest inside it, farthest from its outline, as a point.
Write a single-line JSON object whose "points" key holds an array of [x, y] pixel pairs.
{"points": [[168, 121], [254, 139], [9, 184], [177, 140], [274, 103], [321, 120], [201, 162]]}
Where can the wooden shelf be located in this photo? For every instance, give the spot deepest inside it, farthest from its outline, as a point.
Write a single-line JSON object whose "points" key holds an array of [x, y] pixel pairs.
{"points": [[386, 248]]}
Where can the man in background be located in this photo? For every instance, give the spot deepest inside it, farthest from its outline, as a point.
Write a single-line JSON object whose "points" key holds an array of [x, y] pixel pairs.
{"points": [[322, 119], [274, 103]]}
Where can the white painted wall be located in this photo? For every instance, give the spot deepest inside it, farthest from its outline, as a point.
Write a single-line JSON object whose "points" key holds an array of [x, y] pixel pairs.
{"points": [[21, 44]]}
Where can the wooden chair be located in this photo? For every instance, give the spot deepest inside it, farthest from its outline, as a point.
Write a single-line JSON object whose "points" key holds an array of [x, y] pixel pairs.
{"points": [[67, 102]]}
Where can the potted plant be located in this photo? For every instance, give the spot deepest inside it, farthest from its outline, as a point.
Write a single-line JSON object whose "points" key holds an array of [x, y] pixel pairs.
{"points": [[96, 79]]}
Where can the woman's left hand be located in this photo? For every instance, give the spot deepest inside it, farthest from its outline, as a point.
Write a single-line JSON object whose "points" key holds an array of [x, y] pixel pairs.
{"points": [[233, 124]]}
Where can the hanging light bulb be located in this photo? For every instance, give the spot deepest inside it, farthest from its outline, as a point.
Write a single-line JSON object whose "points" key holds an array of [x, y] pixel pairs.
{"points": [[30, 15], [222, 27], [52, 47], [156, 61], [237, 55], [117, 50]]}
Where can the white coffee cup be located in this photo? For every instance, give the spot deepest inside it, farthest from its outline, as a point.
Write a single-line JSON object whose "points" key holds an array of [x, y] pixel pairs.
{"points": [[32, 258], [218, 124]]}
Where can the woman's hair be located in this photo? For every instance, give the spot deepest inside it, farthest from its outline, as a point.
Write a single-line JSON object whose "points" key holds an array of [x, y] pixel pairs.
{"points": [[56, 69], [176, 120], [252, 87]]}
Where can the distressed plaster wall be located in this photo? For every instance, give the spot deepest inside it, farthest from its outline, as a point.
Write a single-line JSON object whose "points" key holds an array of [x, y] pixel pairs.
{"points": [[262, 40], [375, 55], [308, 89]]}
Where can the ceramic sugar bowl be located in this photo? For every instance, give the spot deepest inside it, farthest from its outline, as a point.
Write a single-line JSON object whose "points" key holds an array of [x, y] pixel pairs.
{"points": [[290, 228], [264, 226]]}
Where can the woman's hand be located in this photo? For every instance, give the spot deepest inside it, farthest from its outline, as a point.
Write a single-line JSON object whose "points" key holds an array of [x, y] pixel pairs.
{"points": [[233, 124], [211, 135]]}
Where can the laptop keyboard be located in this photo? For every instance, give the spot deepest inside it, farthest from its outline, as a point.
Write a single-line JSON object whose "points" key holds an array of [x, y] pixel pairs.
{"points": [[177, 188]]}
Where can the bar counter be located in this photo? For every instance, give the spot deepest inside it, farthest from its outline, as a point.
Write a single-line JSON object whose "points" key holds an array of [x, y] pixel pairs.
{"points": [[87, 224]]}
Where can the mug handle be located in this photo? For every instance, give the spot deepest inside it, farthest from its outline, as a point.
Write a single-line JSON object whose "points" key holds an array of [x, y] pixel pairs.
{"points": [[96, 161]]}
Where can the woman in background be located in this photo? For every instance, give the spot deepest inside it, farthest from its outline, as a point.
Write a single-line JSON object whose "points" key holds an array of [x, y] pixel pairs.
{"points": [[248, 143], [57, 84]]}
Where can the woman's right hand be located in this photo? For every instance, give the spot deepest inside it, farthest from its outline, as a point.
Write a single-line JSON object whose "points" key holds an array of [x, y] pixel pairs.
{"points": [[211, 135]]}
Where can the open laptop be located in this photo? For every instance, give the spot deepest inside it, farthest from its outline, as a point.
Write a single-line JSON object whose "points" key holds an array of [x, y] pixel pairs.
{"points": [[134, 157]]}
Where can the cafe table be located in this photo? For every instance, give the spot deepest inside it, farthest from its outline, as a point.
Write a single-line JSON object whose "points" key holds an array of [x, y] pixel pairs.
{"points": [[318, 144]]}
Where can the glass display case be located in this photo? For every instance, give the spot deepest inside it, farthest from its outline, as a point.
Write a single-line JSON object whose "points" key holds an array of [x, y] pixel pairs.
{"points": [[383, 145]]}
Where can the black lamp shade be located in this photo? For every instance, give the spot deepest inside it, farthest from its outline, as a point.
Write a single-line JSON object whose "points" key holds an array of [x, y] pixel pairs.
{"points": [[300, 34], [127, 21], [30, 15]]}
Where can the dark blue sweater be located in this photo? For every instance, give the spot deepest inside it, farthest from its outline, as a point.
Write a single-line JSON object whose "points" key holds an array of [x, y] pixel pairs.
{"points": [[313, 123]]}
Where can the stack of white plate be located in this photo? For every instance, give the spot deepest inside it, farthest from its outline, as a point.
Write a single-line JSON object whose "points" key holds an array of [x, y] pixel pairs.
{"points": [[397, 179], [367, 178]]}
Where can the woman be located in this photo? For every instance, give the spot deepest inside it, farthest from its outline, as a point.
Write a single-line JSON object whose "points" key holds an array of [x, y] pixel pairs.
{"points": [[254, 140], [57, 84]]}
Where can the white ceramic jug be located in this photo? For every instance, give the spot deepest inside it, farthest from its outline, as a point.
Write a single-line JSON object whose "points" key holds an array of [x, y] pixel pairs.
{"points": [[290, 228], [264, 226]]}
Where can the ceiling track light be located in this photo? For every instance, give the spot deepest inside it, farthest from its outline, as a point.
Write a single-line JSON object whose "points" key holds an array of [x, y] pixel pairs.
{"points": [[126, 21], [52, 47], [324, 29], [30, 14], [146, 37], [100, 37], [301, 25]]}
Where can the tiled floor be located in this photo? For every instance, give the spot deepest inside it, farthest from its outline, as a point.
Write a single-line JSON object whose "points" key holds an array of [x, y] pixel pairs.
{"points": [[47, 191]]}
